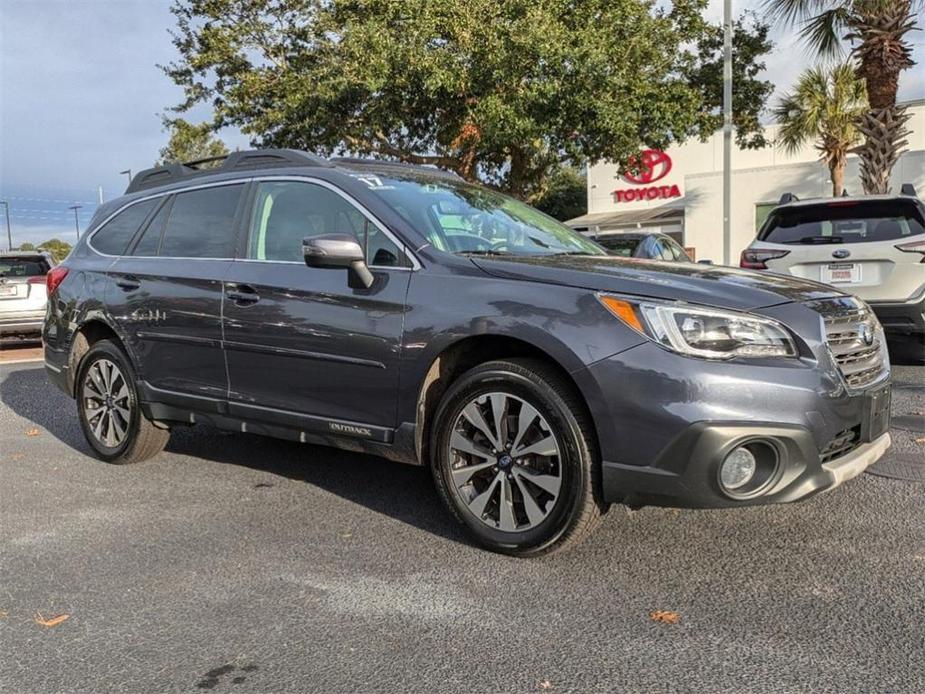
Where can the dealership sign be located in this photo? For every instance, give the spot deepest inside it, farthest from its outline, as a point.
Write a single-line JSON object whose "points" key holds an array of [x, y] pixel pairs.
{"points": [[651, 166]]}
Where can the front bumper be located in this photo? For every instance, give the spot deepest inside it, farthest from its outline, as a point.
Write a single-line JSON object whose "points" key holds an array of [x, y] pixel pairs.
{"points": [[901, 317], [665, 424]]}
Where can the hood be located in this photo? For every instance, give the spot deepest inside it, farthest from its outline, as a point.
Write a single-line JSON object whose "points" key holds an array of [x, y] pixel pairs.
{"points": [[710, 285]]}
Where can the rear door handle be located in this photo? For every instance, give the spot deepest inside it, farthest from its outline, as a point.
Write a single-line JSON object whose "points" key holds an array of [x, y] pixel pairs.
{"points": [[128, 283], [242, 294]]}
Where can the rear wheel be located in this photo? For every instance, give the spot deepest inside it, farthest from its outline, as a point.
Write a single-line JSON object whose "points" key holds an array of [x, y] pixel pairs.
{"points": [[513, 458], [109, 410]]}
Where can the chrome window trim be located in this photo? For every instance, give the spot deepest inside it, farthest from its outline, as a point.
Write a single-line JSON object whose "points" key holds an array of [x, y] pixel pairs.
{"points": [[162, 194], [353, 202]]}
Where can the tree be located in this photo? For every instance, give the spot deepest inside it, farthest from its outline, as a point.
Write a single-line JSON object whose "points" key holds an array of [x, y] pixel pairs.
{"points": [[749, 43], [59, 249], [502, 91], [565, 195], [26, 246], [877, 30], [825, 107], [189, 142]]}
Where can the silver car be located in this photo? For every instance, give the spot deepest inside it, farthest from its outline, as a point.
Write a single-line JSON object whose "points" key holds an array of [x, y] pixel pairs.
{"points": [[23, 295]]}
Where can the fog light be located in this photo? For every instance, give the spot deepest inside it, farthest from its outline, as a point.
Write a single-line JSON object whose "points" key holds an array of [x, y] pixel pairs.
{"points": [[738, 468]]}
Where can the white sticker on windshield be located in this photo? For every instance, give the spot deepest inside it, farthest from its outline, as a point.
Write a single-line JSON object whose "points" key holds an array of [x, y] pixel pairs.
{"points": [[374, 182]]}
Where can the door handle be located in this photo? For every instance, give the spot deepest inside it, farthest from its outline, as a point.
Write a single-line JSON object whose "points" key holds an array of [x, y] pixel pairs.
{"points": [[128, 283], [242, 294]]}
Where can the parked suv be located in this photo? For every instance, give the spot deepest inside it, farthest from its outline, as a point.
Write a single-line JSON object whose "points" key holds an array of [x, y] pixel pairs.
{"points": [[872, 246], [643, 245], [22, 292], [403, 312]]}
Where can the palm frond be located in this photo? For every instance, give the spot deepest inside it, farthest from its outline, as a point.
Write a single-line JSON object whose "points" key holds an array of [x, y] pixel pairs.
{"points": [[791, 12], [825, 32]]}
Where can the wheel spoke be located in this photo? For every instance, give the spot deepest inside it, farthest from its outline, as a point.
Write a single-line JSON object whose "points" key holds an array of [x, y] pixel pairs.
{"points": [[92, 412], [458, 442], [119, 428], [478, 504], [124, 413], [462, 475], [549, 483], [98, 427], [506, 506], [524, 420], [96, 379], [110, 430], [472, 413], [123, 392], [545, 446], [534, 513], [498, 410]]}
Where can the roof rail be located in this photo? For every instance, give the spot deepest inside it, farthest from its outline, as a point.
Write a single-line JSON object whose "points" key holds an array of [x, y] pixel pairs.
{"points": [[907, 189], [788, 198], [360, 163], [235, 161]]}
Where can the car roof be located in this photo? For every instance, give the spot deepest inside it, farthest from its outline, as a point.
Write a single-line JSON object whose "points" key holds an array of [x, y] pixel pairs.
{"points": [[823, 202], [25, 254], [626, 234]]}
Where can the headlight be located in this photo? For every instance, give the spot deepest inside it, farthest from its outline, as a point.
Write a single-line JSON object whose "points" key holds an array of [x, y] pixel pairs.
{"points": [[703, 332]]}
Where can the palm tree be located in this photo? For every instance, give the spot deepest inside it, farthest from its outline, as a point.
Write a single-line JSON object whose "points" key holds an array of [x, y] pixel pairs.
{"points": [[826, 107], [877, 31]]}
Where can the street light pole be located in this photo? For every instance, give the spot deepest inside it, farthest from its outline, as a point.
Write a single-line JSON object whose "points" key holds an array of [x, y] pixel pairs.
{"points": [[727, 130], [9, 234], [76, 223]]}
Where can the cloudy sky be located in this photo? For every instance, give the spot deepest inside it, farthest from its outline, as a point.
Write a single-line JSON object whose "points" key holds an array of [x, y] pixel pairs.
{"points": [[80, 94]]}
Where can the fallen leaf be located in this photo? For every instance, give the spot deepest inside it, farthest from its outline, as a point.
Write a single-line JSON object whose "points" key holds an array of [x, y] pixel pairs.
{"points": [[665, 616], [4, 614], [920, 439], [545, 684], [53, 622], [34, 431]]}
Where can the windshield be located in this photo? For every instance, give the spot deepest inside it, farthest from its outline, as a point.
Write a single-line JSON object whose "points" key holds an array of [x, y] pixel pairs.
{"points": [[460, 218], [30, 266], [846, 221]]}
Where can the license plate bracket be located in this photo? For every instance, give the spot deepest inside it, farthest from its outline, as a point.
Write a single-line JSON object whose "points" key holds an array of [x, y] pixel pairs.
{"points": [[8, 290], [841, 273], [877, 414]]}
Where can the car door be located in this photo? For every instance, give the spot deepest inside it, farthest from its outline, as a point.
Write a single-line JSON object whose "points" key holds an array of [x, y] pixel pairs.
{"points": [[166, 294], [303, 348]]}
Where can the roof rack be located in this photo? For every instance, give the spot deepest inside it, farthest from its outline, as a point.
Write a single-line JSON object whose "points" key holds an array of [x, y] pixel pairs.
{"points": [[359, 163], [907, 189], [235, 161], [788, 198]]}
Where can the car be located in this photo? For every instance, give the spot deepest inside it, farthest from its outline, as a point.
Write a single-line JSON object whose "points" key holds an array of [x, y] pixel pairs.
{"points": [[648, 245], [23, 293], [539, 379], [872, 246]]}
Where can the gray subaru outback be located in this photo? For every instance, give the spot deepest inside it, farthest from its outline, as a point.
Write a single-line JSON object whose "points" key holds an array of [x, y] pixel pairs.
{"points": [[400, 311]]}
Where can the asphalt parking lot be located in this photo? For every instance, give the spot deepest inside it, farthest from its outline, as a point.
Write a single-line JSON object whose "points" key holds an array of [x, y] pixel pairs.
{"points": [[237, 564]]}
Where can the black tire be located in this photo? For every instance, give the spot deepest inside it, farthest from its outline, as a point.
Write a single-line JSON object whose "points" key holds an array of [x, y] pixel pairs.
{"points": [[578, 508], [141, 439]]}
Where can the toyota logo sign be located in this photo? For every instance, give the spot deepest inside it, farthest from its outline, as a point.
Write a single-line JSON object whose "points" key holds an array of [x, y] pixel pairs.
{"points": [[650, 166]]}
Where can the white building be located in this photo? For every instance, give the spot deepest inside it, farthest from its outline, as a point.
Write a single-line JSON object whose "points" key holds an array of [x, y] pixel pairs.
{"points": [[682, 194]]}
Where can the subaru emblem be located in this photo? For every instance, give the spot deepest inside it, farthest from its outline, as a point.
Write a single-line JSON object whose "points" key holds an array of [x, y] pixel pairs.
{"points": [[841, 253]]}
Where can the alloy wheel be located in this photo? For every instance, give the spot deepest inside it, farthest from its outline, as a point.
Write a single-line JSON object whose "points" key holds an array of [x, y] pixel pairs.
{"points": [[505, 462], [107, 407]]}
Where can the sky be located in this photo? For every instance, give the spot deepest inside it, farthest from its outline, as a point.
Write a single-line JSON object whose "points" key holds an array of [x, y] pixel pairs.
{"points": [[81, 97]]}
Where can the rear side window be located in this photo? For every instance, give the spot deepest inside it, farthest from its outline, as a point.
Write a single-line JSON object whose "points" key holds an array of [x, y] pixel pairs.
{"points": [[618, 246], [845, 221], [201, 223], [28, 266], [114, 236]]}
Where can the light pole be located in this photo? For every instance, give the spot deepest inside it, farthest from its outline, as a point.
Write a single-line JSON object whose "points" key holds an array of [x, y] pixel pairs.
{"points": [[9, 234], [727, 130], [127, 172], [76, 223]]}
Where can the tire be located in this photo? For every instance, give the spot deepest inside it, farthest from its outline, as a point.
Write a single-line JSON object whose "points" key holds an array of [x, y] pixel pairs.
{"points": [[101, 402], [557, 442]]}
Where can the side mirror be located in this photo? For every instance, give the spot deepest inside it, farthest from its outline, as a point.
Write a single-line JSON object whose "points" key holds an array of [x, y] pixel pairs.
{"points": [[338, 251]]}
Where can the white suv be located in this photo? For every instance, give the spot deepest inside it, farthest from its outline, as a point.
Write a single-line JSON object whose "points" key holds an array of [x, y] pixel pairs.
{"points": [[23, 296], [871, 246]]}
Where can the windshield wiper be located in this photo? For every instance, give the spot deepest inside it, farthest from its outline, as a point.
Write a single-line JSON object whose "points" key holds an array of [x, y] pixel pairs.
{"points": [[818, 239], [483, 251]]}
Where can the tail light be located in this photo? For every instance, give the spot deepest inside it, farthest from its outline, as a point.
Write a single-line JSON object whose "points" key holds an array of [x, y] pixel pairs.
{"points": [[913, 247], [55, 277], [755, 258]]}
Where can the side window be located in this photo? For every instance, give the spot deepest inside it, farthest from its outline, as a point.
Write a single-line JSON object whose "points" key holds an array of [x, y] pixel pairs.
{"points": [[150, 239], [115, 235], [285, 212], [201, 223]]}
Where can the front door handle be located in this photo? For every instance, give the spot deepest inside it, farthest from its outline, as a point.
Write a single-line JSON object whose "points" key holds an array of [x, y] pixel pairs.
{"points": [[242, 294], [128, 283]]}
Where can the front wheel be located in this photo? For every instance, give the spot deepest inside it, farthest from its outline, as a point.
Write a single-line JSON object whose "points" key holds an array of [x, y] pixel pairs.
{"points": [[109, 409], [513, 458]]}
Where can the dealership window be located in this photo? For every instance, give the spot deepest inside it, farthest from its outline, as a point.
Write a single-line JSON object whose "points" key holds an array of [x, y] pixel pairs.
{"points": [[762, 210]]}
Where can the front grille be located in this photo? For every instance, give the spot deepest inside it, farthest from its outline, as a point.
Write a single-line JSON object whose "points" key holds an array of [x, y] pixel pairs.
{"points": [[843, 443], [855, 340]]}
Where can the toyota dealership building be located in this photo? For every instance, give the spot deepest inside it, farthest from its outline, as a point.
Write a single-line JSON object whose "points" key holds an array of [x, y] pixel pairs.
{"points": [[680, 191]]}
